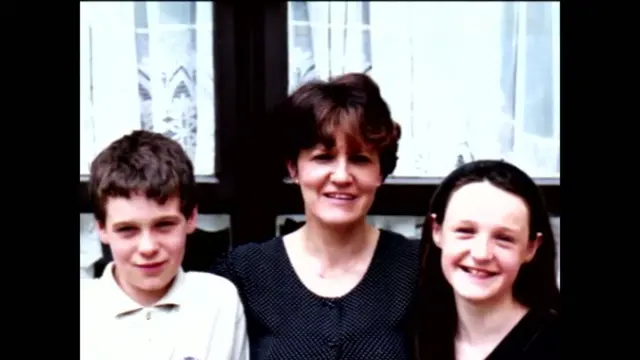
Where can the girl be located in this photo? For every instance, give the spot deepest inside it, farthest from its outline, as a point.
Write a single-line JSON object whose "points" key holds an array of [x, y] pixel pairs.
{"points": [[487, 281]]}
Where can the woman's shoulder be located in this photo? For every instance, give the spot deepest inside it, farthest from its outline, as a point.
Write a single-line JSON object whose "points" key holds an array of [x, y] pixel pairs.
{"points": [[256, 250], [398, 257], [393, 243], [246, 259], [251, 255]]}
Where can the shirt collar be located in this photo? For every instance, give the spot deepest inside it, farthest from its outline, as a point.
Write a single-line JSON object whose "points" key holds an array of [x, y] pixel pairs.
{"points": [[120, 303]]}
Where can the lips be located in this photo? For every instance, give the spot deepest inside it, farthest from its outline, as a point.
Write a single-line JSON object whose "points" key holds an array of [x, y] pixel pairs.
{"points": [[340, 196], [477, 272], [151, 265]]}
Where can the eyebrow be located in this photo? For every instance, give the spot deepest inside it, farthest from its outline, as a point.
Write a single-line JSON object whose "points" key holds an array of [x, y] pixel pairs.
{"points": [[361, 151], [503, 228], [174, 218]]}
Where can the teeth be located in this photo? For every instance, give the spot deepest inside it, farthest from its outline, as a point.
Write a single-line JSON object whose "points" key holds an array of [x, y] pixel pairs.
{"points": [[341, 196], [478, 272]]}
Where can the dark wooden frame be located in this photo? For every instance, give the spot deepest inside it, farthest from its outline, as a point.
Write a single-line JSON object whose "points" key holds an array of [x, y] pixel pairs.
{"points": [[251, 72]]}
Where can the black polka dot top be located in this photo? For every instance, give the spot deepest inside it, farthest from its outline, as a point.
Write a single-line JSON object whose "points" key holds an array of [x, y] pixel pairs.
{"points": [[286, 321]]}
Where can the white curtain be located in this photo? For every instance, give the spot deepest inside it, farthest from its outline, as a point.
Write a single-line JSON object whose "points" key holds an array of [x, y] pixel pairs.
{"points": [[466, 80], [147, 65]]}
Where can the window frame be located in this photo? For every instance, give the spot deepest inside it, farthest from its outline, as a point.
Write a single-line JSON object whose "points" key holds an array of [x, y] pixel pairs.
{"points": [[251, 76]]}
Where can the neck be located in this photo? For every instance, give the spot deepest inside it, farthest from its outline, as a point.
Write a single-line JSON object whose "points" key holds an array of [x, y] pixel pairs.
{"points": [[333, 246], [142, 297], [488, 322]]}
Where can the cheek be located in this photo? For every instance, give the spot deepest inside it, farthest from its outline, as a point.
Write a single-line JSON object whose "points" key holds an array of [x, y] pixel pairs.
{"points": [[450, 259], [122, 249], [175, 242], [369, 187], [175, 247], [310, 182], [369, 178], [311, 173], [510, 264]]}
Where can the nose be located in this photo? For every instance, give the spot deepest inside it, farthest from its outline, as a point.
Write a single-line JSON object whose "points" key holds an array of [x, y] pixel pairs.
{"points": [[481, 249], [341, 173], [147, 245]]}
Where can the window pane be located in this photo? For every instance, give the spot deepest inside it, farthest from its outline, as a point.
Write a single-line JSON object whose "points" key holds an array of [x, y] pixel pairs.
{"points": [[147, 65], [211, 239], [464, 80]]}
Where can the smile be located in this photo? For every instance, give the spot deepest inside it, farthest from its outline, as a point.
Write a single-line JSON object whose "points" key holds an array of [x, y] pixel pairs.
{"points": [[478, 273], [151, 266], [340, 196]]}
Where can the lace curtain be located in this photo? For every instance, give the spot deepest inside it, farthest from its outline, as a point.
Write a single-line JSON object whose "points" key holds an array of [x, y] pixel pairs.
{"points": [[465, 80], [147, 65]]}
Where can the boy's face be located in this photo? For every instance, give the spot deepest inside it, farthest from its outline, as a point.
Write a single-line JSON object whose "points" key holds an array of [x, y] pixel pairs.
{"points": [[147, 241]]}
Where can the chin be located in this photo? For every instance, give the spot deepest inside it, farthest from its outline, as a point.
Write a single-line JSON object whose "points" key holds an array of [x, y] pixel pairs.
{"points": [[475, 296], [478, 292], [340, 220], [154, 284]]}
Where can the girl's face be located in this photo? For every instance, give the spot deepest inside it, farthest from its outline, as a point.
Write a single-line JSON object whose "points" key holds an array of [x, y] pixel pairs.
{"points": [[484, 240]]}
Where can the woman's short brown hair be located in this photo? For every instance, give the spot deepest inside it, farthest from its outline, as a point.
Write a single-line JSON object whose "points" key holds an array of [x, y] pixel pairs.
{"points": [[352, 103]]}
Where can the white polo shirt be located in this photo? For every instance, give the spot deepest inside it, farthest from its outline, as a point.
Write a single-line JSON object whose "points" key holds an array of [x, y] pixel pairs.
{"points": [[200, 318]]}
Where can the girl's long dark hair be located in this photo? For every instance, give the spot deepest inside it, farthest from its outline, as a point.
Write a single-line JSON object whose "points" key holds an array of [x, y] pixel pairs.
{"points": [[436, 320]]}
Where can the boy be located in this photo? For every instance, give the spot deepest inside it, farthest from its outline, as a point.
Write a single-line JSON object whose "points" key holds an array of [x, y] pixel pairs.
{"points": [[144, 306]]}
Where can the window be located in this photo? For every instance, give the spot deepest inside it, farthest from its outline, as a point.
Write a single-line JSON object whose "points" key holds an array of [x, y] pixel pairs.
{"points": [[464, 80], [147, 65]]}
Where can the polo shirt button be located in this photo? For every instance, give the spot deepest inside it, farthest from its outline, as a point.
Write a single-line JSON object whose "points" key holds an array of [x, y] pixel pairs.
{"points": [[148, 315]]}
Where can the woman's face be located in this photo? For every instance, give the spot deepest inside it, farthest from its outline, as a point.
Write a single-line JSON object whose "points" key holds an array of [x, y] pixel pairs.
{"points": [[338, 185], [484, 240]]}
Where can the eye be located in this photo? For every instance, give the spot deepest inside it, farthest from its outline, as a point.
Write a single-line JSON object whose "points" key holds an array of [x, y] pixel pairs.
{"points": [[165, 225], [505, 238], [125, 229], [464, 230], [360, 158], [323, 157]]}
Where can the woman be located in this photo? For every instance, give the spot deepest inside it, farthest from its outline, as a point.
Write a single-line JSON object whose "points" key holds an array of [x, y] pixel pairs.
{"points": [[487, 281], [337, 288]]}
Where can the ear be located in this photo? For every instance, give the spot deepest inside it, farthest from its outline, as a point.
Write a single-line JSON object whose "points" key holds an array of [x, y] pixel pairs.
{"points": [[293, 171], [192, 221], [102, 232], [532, 247], [436, 231]]}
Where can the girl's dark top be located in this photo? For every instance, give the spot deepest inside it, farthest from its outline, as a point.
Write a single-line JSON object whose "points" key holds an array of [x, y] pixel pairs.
{"points": [[535, 337], [286, 321]]}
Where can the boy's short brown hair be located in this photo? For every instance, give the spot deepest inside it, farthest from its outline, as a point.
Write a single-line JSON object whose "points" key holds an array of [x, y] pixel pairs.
{"points": [[146, 163], [351, 103]]}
